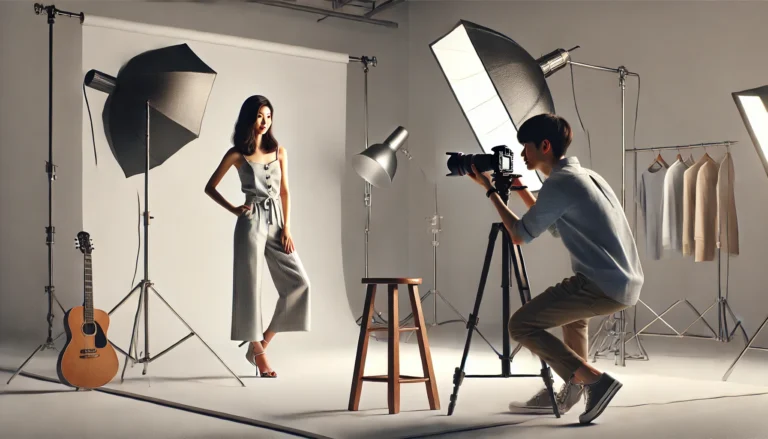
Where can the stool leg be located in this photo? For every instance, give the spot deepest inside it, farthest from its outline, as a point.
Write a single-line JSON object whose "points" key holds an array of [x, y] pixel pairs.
{"points": [[426, 356], [393, 382], [362, 350]]}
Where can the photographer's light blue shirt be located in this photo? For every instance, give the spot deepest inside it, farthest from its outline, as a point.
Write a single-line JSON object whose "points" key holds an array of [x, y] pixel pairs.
{"points": [[580, 207]]}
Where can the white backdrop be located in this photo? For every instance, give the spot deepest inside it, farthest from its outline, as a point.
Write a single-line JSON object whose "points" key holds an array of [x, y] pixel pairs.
{"points": [[191, 236]]}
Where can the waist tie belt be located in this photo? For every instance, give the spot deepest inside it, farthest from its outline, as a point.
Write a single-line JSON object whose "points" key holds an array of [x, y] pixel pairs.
{"points": [[267, 203]]}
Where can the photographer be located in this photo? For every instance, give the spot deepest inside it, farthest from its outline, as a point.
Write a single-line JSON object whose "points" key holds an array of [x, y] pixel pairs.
{"points": [[578, 206]]}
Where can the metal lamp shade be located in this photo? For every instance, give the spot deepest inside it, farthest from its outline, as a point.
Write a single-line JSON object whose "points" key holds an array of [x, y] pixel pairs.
{"points": [[177, 84], [377, 164], [753, 107], [497, 84]]}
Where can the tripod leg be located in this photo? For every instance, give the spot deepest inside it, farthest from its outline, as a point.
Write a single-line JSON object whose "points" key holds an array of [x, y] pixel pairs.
{"points": [[458, 375], [136, 288], [134, 333], [198, 337], [24, 364]]}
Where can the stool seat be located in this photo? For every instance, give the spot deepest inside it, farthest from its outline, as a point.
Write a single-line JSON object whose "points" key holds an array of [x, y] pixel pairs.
{"points": [[393, 378], [392, 280]]}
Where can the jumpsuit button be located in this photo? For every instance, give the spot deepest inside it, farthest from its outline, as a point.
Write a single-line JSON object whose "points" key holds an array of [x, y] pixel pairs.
{"points": [[269, 186], [266, 167], [267, 177]]}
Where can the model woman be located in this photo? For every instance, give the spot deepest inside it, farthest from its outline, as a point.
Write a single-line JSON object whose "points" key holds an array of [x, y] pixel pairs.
{"points": [[262, 234]]}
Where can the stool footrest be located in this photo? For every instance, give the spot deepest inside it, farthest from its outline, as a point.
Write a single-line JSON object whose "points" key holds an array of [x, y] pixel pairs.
{"points": [[403, 379], [385, 328]]}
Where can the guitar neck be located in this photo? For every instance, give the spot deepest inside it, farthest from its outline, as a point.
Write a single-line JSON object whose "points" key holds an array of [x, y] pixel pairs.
{"points": [[88, 282]]}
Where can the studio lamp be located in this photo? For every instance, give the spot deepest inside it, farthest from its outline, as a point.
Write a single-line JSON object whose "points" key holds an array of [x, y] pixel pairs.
{"points": [[753, 107], [378, 163], [158, 98], [498, 86]]}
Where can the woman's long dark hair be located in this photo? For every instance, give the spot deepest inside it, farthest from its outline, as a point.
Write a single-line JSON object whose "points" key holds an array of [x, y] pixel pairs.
{"points": [[243, 138]]}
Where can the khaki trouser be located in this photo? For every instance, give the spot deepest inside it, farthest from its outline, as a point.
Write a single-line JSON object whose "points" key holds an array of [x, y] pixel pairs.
{"points": [[570, 304]]}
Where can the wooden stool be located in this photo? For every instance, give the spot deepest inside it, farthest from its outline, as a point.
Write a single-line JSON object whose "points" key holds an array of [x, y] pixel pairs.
{"points": [[393, 377]]}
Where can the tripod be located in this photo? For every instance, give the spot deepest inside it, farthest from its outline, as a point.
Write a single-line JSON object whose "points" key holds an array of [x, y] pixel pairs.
{"points": [[503, 184], [145, 285], [50, 169]]}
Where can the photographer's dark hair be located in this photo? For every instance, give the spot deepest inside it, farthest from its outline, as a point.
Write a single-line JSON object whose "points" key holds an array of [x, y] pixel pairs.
{"points": [[243, 138], [550, 127]]}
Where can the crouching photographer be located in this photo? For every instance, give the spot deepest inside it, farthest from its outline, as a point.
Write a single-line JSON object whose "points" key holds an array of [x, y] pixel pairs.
{"points": [[578, 206]]}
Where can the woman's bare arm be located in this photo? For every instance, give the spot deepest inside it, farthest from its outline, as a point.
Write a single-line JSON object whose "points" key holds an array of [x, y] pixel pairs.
{"points": [[230, 158]]}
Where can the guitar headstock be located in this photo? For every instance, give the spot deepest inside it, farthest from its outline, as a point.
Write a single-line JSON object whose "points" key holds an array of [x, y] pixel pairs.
{"points": [[84, 243]]}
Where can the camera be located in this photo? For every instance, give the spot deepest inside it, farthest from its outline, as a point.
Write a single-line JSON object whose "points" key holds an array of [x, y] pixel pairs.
{"points": [[500, 162]]}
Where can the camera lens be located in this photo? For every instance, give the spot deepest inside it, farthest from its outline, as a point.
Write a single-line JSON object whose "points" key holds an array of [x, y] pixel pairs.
{"points": [[460, 164]]}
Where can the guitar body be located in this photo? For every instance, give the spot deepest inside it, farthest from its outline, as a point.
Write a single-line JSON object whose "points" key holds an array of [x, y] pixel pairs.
{"points": [[88, 359]]}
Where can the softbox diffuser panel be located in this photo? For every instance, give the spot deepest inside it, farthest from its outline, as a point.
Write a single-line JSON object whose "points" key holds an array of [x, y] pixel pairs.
{"points": [[497, 84], [753, 107]]}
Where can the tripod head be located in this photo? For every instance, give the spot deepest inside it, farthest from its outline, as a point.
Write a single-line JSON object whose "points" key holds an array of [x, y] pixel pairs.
{"points": [[503, 182]]}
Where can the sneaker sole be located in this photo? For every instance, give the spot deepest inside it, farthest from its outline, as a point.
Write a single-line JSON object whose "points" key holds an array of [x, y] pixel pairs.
{"points": [[597, 410], [532, 411]]}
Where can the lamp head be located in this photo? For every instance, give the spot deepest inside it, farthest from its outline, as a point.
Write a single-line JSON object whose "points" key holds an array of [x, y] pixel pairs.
{"points": [[377, 164], [753, 107]]}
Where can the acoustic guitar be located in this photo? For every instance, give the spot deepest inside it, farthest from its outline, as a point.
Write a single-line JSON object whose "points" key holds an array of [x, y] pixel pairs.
{"points": [[88, 359]]}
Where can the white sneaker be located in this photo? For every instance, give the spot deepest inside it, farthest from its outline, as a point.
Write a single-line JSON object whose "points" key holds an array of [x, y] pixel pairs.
{"points": [[568, 396], [541, 404]]}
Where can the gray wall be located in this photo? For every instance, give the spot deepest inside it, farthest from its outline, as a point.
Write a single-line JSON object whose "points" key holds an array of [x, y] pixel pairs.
{"points": [[682, 102], [24, 145], [691, 56]]}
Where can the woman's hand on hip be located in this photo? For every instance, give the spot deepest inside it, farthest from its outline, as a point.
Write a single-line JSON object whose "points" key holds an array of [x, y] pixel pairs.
{"points": [[241, 210], [287, 241]]}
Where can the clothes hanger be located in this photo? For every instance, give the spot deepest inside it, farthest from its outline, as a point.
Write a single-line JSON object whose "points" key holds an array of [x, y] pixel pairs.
{"points": [[679, 157], [659, 160]]}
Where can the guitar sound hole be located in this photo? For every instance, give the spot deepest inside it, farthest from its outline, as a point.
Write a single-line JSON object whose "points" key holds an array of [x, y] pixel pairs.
{"points": [[89, 328]]}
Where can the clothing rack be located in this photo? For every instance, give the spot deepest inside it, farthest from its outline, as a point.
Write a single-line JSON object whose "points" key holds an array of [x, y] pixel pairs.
{"points": [[722, 334]]}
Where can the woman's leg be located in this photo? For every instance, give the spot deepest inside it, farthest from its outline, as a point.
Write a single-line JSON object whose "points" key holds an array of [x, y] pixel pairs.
{"points": [[267, 338], [261, 358]]}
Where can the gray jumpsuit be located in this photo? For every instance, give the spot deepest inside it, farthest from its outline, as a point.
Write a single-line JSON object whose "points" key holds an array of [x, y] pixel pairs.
{"points": [[258, 240]]}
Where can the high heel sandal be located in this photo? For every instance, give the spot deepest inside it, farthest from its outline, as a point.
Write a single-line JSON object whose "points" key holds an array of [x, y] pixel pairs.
{"points": [[251, 357]]}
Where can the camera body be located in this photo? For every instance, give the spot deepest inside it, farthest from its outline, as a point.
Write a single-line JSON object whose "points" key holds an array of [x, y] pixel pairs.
{"points": [[500, 162]]}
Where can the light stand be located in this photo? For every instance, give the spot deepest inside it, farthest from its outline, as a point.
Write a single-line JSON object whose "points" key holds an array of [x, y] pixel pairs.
{"points": [[366, 62], [613, 326], [434, 223], [145, 285], [50, 169]]}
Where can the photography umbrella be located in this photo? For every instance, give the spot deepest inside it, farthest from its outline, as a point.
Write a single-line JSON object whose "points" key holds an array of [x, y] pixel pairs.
{"points": [[175, 83], [155, 107]]}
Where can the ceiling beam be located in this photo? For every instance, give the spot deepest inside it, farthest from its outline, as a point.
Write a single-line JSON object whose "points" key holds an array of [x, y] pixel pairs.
{"points": [[327, 12], [384, 6]]}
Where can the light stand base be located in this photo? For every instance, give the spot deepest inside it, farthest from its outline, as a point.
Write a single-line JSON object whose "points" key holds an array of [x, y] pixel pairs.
{"points": [[746, 348], [435, 322], [144, 287], [48, 345]]}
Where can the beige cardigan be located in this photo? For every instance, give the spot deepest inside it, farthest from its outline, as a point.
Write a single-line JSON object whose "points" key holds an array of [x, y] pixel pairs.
{"points": [[705, 227], [689, 206], [727, 222]]}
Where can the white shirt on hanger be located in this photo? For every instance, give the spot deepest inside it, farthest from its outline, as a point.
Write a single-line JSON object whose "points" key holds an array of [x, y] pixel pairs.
{"points": [[649, 197], [672, 207]]}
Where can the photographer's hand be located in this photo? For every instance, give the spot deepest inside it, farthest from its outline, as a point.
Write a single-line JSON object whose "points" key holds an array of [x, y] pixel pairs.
{"points": [[483, 179]]}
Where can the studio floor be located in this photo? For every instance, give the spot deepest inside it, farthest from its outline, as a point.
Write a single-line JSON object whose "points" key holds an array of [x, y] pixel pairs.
{"points": [[678, 393]]}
